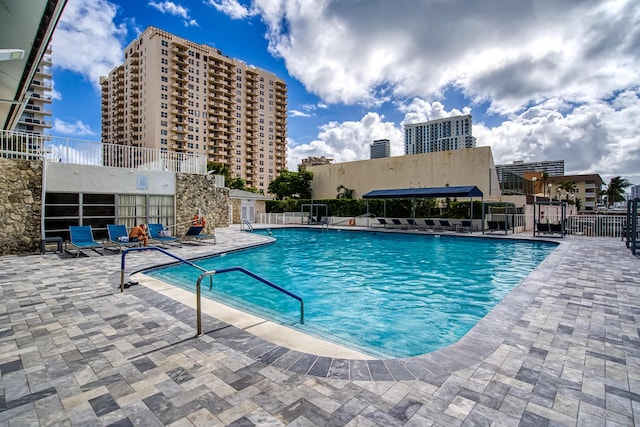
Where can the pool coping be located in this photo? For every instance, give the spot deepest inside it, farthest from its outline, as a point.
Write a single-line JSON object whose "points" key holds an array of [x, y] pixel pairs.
{"points": [[474, 347]]}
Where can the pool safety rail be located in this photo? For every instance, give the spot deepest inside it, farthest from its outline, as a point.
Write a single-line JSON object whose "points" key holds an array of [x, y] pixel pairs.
{"points": [[204, 274], [245, 222], [248, 273]]}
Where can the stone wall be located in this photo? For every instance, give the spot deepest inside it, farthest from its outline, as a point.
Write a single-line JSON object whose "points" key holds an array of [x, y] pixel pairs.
{"points": [[20, 206], [195, 192]]}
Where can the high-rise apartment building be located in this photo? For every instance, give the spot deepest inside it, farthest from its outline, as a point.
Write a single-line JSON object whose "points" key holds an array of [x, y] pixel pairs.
{"points": [[175, 95], [36, 116], [380, 148], [450, 133]]}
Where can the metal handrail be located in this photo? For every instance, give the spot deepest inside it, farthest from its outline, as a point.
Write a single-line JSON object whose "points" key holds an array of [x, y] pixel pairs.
{"points": [[248, 273], [248, 224], [209, 274], [151, 248]]}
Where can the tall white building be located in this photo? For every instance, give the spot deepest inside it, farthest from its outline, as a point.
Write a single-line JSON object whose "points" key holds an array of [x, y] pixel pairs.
{"points": [[450, 133], [36, 116], [176, 95]]}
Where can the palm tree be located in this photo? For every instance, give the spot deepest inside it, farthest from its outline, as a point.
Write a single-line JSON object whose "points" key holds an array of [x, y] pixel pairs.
{"points": [[568, 187], [615, 190], [545, 178]]}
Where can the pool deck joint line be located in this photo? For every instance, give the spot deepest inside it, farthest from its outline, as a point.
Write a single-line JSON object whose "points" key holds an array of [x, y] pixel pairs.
{"points": [[563, 348]]}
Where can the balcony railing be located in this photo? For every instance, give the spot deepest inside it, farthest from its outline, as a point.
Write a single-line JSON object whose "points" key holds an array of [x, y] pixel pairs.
{"points": [[18, 145]]}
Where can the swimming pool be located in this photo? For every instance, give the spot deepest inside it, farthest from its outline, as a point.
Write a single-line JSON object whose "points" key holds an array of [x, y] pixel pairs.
{"points": [[384, 294]]}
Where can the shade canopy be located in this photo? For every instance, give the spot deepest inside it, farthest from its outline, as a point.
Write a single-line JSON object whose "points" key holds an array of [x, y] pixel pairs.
{"points": [[424, 193]]}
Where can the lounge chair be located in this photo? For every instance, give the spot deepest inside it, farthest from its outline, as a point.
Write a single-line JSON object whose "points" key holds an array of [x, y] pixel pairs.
{"points": [[430, 224], [156, 234], [445, 225], [383, 222], [119, 237], [81, 237], [465, 226], [398, 224], [194, 233], [412, 224]]}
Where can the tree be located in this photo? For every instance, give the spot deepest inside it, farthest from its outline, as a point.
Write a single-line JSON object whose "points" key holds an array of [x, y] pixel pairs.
{"points": [[544, 178], [344, 192], [296, 185], [615, 190], [568, 187]]}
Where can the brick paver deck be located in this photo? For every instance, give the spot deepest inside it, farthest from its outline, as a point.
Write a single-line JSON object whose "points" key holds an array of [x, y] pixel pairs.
{"points": [[563, 349]]}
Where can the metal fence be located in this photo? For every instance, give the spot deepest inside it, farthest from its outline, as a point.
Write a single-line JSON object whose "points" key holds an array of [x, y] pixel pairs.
{"points": [[16, 145], [577, 225]]}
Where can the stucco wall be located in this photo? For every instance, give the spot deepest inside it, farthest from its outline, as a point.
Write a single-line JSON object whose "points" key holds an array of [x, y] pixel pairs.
{"points": [[20, 206], [471, 166]]}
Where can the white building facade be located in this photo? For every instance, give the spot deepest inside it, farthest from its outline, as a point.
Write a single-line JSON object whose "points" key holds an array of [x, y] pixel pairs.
{"points": [[450, 133]]}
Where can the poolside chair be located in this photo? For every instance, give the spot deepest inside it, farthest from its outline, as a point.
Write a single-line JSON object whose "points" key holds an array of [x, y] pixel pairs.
{"points": [[413, 224], [445, 225], [383, 222], [398, 224], [430, 224], [465, 226], [81, 237], [156, 234], [195, 233], [119, 237]]}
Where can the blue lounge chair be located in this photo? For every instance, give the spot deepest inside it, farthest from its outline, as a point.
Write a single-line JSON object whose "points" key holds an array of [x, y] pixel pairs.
{"points": [[81, 237], [119, 237], [156, 234], [195, 233]]}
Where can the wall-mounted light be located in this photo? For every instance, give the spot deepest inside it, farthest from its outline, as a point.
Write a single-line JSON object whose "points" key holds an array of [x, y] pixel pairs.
{"points": [[11, 54]]}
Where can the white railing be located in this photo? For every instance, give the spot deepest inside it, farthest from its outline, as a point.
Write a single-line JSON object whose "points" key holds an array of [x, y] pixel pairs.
{"points": [[282, 218], [17, 145], [577, 225]]}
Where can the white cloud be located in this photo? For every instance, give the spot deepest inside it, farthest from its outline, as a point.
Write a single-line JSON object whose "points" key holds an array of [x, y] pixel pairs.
{"points": [[297, 113], [174, 9], [231, 8], [563, 74], [77, 129], [347, 141], [87, 41]]}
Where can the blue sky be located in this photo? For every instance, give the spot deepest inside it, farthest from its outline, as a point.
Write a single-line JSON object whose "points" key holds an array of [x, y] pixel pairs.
{"points": [[544, 80]]}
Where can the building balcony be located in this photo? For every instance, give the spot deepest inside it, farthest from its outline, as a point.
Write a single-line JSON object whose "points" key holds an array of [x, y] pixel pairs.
{"points": [[178, 129], [179, 77]]}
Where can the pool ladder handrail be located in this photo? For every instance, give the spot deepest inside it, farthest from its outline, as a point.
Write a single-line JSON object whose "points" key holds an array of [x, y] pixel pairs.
{"points": [[248, 273], [248, 224], [210, 274]]}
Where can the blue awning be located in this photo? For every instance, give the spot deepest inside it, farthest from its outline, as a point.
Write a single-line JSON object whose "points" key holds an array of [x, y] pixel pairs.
{"points": [[425, 193]]}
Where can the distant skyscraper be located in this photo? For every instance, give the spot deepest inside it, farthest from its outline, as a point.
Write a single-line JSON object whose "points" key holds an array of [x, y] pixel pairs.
{"points": [[450, 133], [380, 148], [172, 94], [36, 116]]}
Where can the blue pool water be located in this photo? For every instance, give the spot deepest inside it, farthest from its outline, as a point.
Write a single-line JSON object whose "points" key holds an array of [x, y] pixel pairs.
{"points": [[385, 294]]}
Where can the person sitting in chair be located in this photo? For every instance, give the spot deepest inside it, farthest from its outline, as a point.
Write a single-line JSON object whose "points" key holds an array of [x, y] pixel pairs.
{"points": [[139, 234]]}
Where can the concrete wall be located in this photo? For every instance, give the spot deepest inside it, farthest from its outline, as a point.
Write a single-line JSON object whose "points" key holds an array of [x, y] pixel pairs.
{"points": [[20, 206], [471, 166], [64, 177]]}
